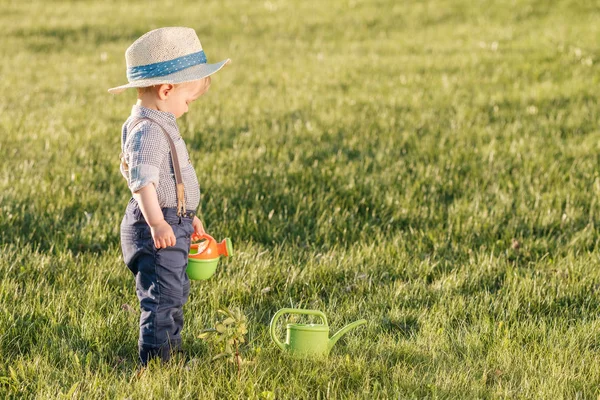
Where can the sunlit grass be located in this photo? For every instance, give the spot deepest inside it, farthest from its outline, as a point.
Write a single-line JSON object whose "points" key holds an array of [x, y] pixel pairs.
{"points": [[430, 167]]}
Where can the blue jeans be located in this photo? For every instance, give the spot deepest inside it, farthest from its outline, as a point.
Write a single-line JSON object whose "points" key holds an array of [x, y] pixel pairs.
{"points": [[162, 285]]}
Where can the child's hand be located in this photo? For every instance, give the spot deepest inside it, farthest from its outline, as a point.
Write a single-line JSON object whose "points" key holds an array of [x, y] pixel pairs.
{"points": [[198, 227], [163, 235]]}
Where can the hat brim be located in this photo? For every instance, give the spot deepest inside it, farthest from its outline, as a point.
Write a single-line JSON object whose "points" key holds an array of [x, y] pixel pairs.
{"points": [[187, 75]]}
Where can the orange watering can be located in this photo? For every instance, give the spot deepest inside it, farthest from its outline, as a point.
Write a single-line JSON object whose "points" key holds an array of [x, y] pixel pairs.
{"points": [[204, 256]]}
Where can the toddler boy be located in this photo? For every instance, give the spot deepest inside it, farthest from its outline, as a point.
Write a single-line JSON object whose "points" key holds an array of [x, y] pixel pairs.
{"points": [[169, 69]]}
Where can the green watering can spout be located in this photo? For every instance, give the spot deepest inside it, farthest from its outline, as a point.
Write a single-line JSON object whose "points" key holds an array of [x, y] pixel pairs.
{"points": [[345, 330]]}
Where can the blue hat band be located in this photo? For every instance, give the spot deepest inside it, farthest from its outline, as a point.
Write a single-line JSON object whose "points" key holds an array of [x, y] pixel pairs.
{"points": [[165, 67]]}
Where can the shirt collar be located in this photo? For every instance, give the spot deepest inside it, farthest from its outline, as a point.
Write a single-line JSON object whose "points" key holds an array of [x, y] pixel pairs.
{"points": [[165, 119]]}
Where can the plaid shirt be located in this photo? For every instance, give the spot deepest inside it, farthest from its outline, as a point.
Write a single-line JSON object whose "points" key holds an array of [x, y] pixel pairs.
{"points": [[146, 151]]}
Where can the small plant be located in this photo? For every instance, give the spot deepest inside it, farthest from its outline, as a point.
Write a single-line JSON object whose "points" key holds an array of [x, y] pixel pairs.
{"points": [[227, 335]]}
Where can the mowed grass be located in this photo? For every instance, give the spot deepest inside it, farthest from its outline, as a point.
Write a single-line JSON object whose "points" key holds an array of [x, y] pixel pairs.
{"points": [[429, 166]]}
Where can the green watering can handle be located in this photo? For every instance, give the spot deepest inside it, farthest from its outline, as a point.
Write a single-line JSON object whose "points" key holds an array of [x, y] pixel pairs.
{"points": [[279, 313]]}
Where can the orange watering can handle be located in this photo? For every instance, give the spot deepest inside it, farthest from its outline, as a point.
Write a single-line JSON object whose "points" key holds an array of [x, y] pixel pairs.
{"points": [[206, 236], [195, 237]]}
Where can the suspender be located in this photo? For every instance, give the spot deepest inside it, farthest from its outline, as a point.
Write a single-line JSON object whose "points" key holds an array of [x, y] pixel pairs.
{"points": [[181, 211]]}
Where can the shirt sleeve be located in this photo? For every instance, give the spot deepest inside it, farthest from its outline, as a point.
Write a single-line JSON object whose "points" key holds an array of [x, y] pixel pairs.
{"points": [[145, 150]]}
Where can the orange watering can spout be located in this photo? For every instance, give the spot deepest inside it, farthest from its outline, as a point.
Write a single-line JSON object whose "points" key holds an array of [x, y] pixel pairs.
{"points": [[224, 248]]}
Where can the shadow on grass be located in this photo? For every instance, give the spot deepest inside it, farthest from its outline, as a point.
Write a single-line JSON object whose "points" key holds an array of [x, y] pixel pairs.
{"points": [[404, 328], [340, 192], [56, 231]]}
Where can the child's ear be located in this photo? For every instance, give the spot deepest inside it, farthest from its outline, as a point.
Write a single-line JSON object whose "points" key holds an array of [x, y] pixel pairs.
{"points": [[165, 90]]}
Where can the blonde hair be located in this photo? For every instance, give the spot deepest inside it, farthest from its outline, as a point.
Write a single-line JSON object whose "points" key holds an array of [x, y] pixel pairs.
{"points": [[143, 90]]}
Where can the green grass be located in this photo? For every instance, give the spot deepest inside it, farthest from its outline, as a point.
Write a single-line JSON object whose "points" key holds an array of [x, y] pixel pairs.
{"points": [[430, 166]]}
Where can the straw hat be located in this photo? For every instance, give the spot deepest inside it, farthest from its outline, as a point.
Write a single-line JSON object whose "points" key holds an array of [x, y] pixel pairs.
{"points": [[166, 55]]}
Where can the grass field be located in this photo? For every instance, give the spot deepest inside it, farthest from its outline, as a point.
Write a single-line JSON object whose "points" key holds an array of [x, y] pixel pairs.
{"points": [[430, 166]]}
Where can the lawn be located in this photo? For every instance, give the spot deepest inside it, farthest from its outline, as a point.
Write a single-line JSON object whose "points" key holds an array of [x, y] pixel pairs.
{"points": [[430, 166]]}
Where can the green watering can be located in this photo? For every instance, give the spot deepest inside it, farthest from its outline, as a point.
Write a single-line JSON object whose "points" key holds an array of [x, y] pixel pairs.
{"points": [[309, 339]]}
